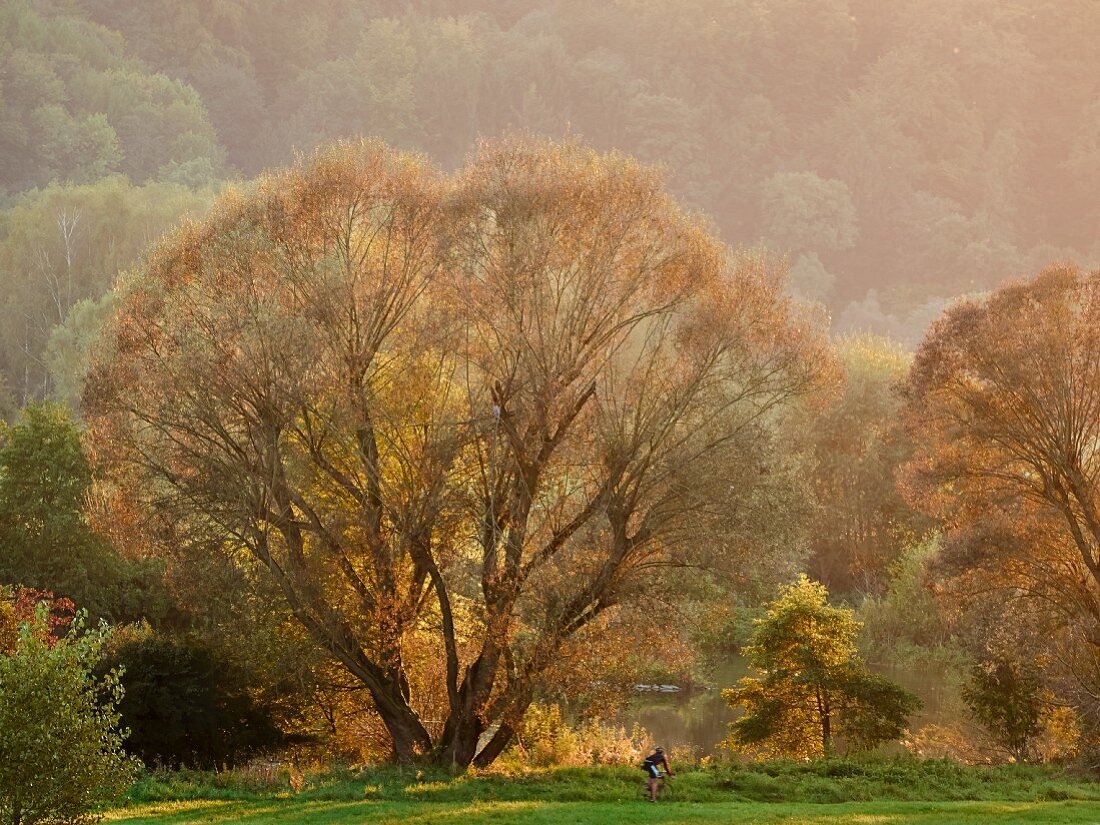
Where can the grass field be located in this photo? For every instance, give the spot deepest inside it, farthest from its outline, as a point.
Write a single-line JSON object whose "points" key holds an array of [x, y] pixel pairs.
{"points": [[828, 792], [605, 813]]}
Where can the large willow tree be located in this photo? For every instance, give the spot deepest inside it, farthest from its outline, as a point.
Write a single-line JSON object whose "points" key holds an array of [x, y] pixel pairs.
{"points": [[476, 413]]}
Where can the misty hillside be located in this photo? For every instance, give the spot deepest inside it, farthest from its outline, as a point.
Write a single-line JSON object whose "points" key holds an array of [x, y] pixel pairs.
{"points": [[899, 152]]}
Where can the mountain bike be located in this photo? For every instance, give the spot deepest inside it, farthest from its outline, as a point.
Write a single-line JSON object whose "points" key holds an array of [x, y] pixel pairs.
{"points": [[664, 787]]}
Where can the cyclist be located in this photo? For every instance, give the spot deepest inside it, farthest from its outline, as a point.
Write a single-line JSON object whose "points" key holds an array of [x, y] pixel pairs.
{"points": [[652, 765]]}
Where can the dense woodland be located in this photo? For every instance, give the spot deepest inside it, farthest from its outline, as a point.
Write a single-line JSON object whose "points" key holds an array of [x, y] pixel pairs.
{"points": [[847, 168]]}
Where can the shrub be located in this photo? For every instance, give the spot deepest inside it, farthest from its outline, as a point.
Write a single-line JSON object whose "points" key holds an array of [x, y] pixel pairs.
{"points": [[545, 739], [60, 745], [184, 706], [1007, 699]]}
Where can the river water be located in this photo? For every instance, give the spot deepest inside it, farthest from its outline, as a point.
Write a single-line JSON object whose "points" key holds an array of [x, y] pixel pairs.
{"points": [[696, 720], [699, 720]]}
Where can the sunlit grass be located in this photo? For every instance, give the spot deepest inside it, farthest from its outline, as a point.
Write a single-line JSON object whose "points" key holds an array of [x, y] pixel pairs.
{"points": [[901, 791], [626, 813], [827, 781]]}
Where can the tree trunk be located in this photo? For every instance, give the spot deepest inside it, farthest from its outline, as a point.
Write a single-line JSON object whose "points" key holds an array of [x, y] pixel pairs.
{"points": [[465, 723], [388, 688], [460, 747], [495, 746], [824, 714], [407, 745], [410, 739]]}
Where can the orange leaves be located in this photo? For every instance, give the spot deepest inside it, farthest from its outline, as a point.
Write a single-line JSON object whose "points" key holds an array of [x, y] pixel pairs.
{"points": [[1004, 405], [486, 407], [1009, 390]]}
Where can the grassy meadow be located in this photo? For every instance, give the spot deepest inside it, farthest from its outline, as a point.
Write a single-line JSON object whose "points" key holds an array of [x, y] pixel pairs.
{"points": [[837, 792], [607, 813]]}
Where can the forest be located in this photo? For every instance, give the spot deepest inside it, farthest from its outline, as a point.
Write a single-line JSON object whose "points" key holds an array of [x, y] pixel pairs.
{"points": [[382, 373]]}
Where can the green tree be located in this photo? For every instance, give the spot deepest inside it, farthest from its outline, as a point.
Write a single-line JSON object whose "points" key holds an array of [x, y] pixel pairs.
{"points": [[803, 213], [1007, 698], [65, 244], [922, 111], [814, 688], [46, 541], [907, 620], [60, 746], [857, 448], [77, 149], [80, 109], [8, 407], [70, 345]]}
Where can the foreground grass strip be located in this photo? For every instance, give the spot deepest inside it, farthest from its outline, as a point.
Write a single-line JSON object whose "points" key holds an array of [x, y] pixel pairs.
{"points": [[825, 781], [625, 813]]}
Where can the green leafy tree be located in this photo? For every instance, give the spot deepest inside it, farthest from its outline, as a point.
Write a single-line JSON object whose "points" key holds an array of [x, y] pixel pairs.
{"points": [[814, 687], [78, 149], [65, 244], [61, 751], [907, 620], [857, 448], [46, 541], [70, 345], [8, 407], [919, 113], [79, 108], [1007, 698], [804, 213]]}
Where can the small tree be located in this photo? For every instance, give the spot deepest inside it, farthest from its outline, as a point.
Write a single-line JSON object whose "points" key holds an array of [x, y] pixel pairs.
{"points": [[60, 748], [1006, 698], [814, 685]]}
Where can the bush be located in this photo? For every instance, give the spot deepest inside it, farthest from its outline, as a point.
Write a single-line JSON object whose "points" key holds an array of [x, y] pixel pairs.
{"points": [[60, 745], [545, 740], [47, 540], [184, 706]]}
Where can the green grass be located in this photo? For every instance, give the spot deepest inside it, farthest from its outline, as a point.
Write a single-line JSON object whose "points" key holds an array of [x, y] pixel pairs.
{"points": [[825, 781], [855, 792], [607, 813]]}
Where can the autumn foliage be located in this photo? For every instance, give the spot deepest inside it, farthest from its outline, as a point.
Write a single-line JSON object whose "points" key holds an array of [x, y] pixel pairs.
{"points": [[457, 418], [1004, 402], [813, 687]]}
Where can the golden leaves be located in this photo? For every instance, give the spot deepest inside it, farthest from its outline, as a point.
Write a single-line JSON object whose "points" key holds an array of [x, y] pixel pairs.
{"points": [[500, 397]]}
